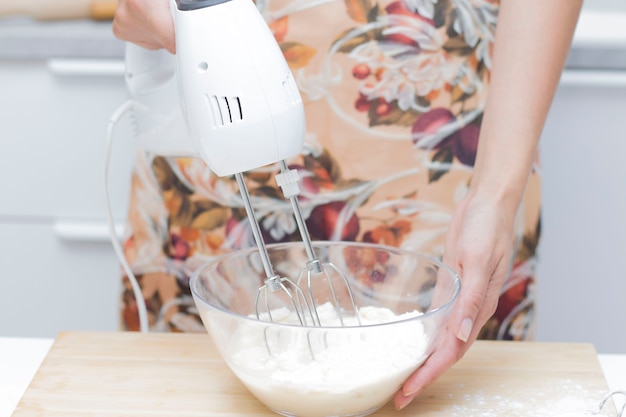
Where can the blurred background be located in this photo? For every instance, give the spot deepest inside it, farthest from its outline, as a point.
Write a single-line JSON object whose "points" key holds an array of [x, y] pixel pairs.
{"points": [[61, 78]]}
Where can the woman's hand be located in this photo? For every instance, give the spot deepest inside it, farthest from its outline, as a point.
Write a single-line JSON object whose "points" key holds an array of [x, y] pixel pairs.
{"points": [[147, 23], [479, 248]]}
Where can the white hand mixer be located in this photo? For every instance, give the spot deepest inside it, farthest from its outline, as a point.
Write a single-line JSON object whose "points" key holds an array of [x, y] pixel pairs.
{"points": [[230, 88]]}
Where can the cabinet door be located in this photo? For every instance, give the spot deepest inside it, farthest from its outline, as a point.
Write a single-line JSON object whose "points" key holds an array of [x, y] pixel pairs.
{"points": [[53, 280], [54, 117]]}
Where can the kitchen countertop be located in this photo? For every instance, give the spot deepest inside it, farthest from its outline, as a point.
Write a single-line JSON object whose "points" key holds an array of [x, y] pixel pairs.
{"points": [[599, 41], [22, 38], [599, 35], [21, 357]]}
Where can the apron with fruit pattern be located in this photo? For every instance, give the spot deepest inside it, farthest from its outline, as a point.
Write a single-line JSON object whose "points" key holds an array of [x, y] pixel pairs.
{"points": [[394, 94]]}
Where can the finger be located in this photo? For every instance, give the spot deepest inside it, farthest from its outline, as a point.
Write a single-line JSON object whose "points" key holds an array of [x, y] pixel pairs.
{"points": [[459, 333], [149, 26], [449, 351], [162, 27], [477, 273]]}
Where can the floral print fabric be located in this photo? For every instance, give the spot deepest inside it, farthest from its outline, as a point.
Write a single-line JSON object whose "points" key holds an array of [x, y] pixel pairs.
{"points": [[394, 93]]}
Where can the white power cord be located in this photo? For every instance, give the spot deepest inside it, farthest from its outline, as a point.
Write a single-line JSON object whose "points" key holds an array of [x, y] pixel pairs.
{"points": [[117, 246]]}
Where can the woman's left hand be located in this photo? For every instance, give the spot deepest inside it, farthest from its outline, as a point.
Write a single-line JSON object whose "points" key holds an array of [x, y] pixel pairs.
{"points": [[479, 248]]}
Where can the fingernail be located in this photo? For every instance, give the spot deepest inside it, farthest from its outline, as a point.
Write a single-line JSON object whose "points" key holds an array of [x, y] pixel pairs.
{"points": [[465, 330], [406, 400], [410, 392], [411, 387]]}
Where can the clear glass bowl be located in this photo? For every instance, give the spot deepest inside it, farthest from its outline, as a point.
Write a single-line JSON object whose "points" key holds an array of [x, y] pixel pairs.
{"points": [[403, 298]]}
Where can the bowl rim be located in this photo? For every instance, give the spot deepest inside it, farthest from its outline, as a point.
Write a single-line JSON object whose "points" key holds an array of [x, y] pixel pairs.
{"points": [[456, 281]]}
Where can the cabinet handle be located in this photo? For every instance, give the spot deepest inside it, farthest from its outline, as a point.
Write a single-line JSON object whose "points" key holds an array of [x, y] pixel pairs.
{"points": [[85, 232], [591, 78], [87, 67]]}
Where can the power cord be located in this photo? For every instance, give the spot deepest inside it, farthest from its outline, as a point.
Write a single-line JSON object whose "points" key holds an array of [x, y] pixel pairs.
{"points": [[117, 246]]}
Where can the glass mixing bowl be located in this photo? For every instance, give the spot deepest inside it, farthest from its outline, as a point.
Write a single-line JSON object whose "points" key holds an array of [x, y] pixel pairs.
{"points": [[403, 299]]}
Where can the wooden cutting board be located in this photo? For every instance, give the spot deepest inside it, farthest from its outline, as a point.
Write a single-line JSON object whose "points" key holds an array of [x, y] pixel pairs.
{"points": [[165, 374]]}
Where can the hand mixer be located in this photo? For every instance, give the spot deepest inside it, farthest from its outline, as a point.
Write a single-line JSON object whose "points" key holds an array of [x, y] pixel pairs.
{"points": [[242, 111]]}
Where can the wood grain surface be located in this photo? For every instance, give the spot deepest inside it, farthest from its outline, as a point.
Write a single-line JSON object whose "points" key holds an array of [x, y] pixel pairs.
{"points": [[165, 374]]}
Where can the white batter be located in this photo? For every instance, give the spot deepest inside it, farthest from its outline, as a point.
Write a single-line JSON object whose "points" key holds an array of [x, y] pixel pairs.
{"points": [[355, 370]]}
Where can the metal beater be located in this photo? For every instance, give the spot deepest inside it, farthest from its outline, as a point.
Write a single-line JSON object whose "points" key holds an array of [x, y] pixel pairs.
{"points": [[598, 411], [315, 269], [607, 397], [243, 111]]}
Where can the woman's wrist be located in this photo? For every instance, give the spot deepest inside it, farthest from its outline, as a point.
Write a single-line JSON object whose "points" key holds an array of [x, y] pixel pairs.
{"points": [[501, 186]]}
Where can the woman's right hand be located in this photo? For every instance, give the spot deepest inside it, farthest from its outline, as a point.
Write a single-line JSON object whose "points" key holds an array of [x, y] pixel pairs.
{"points": [[147, 23]]}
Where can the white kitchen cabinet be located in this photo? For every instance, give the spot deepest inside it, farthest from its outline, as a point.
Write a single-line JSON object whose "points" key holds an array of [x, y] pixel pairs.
{"points": [[50, 284], [57, 267], [53, 136]]}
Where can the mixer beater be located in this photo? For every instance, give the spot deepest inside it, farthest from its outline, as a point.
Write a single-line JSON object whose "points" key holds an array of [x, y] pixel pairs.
{"points": [[305, 309], [315, 268], [273, 282], [243, 111]]}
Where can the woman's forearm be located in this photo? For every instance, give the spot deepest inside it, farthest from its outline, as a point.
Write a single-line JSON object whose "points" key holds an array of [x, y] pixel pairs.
{"points": [[532, 42]]}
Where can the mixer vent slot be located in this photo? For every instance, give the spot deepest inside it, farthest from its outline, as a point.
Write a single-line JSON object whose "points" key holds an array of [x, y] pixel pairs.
{"points": [[225, 110]]}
